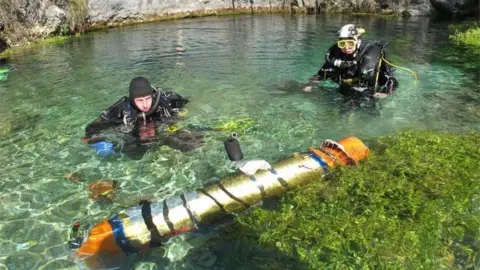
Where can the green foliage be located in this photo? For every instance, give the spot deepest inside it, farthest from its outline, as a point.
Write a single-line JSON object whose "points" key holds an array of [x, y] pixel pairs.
{"points": [[64, 29], [468, 34], [413, 204], [236, 125], [25, 49], [77, 15]]}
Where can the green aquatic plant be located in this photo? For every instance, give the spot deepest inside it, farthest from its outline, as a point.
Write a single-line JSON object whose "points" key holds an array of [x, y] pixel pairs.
{"points": [[468, 34], [4, 73], [77, 15], [413, 204], [237, 125], [46, 41]]}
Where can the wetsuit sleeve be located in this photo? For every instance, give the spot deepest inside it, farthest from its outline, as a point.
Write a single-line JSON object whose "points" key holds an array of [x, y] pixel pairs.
{"points": [[328, 70], [132, 147], [334, 60], [183, 140], [323, 73], [171, 103], [108, 119], [97, 126], [175, 100], [331, 55]]}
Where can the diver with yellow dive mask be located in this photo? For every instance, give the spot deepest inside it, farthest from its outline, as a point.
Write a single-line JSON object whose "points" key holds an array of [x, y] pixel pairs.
{"points": [[358, 67]]}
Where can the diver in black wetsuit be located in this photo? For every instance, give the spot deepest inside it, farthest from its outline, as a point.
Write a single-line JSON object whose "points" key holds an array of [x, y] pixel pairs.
{"points": [[140, 117], [357, 66]]}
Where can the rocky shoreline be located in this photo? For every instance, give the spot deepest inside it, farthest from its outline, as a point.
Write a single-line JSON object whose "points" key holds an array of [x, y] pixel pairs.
{"points": [[23, 22]]}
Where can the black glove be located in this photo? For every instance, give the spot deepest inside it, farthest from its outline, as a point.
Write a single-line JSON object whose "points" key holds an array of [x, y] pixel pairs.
{"points": [[344, 64], [391, 84]]}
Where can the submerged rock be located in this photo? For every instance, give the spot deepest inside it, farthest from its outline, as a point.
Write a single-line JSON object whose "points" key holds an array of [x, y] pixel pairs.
{"points": [[74, 176], [204, 259], [103, 190]]}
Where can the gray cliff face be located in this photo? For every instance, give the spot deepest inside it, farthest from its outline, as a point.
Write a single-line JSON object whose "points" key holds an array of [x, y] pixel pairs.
{"points": [[22, 21], [111, 11], [457, 7]]}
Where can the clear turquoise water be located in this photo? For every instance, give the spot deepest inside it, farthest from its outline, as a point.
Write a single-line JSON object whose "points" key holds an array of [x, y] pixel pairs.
{"points": [[233, 67]]}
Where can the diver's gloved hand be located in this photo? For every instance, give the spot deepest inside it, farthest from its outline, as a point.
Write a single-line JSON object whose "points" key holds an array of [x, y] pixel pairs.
{"points": [[391, 83], [344, 64], [129, 120], [101, 145], [380, 95], [307, 88], [104, 148], [250, 167]]}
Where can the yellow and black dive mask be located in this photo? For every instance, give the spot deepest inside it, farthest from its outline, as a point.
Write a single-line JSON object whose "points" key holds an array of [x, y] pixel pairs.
{"points": [[346, 43]]}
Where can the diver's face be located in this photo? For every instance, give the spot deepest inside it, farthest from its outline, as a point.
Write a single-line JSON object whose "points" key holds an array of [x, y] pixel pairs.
{"points": [[348, 46], [144, 104], [348, 50]]}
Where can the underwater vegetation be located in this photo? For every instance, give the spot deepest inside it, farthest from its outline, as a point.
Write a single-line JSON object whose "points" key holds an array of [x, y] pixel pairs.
{"points": [[413, 204]]}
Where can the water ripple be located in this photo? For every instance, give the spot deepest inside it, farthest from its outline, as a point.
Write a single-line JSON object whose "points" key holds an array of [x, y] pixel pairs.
{"points": [[240, 67]]}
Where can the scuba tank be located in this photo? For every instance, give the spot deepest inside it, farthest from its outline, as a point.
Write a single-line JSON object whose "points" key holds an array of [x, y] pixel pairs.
{"points": [[232, 147]]}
